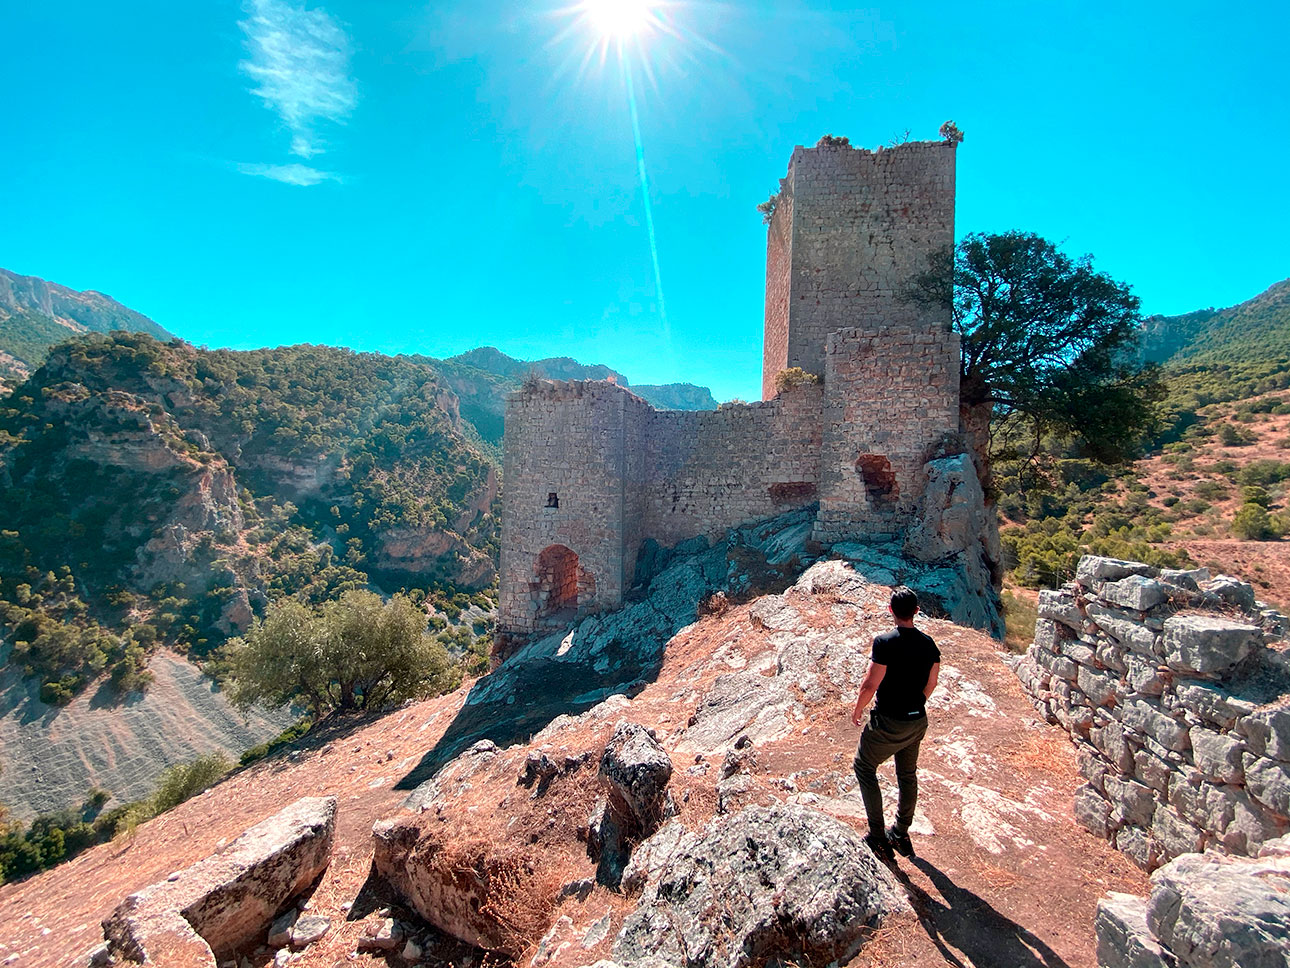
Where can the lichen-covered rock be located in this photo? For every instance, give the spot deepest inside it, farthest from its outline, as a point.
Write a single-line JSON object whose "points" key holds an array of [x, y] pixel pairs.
{"points": [[229, 898], [1212, 911], [637, 770], [1267, 732], [1207, 643], [1136, 592], [1123, 938], [1092, 568], [789, 883]]}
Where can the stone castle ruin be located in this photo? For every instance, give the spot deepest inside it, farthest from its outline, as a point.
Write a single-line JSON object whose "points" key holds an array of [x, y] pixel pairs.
{"points": [[594, 474]]}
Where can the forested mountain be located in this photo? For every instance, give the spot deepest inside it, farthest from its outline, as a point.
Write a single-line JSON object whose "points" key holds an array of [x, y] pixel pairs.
{"points": [[668, 396], [1255, 330], [153, 492], [35, 314]]}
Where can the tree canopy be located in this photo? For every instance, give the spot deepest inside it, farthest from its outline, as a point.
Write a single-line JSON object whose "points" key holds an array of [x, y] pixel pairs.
{"points": [[1049, 346], [357, 652]]}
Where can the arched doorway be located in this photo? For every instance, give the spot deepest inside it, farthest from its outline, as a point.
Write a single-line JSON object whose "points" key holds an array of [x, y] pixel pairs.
{"points": [[557, 586]]}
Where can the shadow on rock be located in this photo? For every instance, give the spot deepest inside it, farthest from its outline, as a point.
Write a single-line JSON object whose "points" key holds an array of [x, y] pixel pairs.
{"points": [[616, 653], [966, 924]]}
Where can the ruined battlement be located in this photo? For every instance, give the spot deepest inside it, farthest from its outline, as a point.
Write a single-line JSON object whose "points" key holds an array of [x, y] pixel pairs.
{"points": [[592, 472]]}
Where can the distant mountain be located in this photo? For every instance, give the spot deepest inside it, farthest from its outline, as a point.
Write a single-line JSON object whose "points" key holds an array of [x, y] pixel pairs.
{"points": [[36, 314], [1257, 330], [669, 396]]}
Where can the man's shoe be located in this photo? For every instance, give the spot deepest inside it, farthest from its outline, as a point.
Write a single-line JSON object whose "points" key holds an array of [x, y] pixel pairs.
{"points": [[900, 842], [880, 846]]}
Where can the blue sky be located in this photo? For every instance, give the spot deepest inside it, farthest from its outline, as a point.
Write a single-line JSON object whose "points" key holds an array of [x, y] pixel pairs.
{"points": [[428, 178]]}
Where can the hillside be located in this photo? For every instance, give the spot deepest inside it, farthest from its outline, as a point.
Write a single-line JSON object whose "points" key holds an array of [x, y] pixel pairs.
{"points": [[752, 705], [35, 314], [1255, 330], [486, 414], [160, 494]]}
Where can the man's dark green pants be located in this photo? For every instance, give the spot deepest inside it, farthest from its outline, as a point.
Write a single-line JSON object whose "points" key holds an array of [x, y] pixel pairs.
{"points": [[883, 738]]}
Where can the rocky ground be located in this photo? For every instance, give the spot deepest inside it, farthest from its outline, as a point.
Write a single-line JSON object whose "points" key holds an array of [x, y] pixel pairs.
{"points": [[751, 705]]}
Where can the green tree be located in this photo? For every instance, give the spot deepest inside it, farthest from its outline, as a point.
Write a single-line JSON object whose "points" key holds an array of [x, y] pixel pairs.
{"points": [[1049, 347], [356, 653]]}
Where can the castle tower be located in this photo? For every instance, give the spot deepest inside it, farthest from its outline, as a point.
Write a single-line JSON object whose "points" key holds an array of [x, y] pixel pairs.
{"points": [[850, 231], [850, 228]]}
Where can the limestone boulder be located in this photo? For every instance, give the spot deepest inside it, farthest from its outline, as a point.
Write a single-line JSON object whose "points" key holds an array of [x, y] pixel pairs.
{"points": [[1094, 568], [230, 898], [1212, 911], [789, 883], [1135, 591], [1123, 938], [636, 769]]}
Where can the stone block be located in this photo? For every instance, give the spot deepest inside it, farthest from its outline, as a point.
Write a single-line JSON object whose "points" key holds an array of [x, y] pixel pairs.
{"points": [[1152, 770], [1109, 740], [1136, 592], [1123, 938], [1251, 824], [1188, 579], [1212, 703], [1093, 568], [1098, 686], [1175, 835], [1267, 732], [1110, 655], [1201, 803], [1132, 802], [1091, 766], [1217, 755], [1144, 675], [1125, 629], [1057, 665], [1148, 719], [1208, 644], [1231, 591], [1268, 782], [1060, 606], [1092, 810], [1137, 844]]}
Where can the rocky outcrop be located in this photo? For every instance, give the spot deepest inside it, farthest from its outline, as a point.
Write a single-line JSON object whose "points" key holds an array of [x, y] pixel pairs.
{"points": [[1179, 706], [769, 883], [1204, 911], [228, 899], [434, 552]]}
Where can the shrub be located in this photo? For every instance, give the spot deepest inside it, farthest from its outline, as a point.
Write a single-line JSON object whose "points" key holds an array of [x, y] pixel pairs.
{"points": [[1231, 435], [794, 376], [1253, 523], [951, 133], [183, 782], [829, 141]]}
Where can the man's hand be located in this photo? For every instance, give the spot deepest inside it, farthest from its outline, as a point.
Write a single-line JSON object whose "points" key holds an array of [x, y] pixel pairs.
{"points": [[868, 689]]}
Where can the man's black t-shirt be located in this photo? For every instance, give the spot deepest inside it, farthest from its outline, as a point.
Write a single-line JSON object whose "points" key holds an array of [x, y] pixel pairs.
{"points": [[909, 656]]}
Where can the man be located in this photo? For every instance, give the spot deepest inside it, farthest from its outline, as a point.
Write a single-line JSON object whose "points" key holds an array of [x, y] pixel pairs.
{"points": [[905, 668]]}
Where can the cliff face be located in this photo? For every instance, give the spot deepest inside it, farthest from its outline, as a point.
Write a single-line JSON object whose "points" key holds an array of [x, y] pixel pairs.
{"points": [[35, 314]]}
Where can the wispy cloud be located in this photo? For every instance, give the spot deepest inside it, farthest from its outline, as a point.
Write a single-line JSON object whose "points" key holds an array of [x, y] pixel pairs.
{"points": [[292, 174], [299, 63]]}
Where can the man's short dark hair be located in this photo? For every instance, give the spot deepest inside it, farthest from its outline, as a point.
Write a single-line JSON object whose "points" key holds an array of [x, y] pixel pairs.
{"points": [[904, 603]]}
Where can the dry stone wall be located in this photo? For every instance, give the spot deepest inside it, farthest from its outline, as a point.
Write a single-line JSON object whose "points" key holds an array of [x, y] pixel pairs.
{"points": [[1176, 689]]}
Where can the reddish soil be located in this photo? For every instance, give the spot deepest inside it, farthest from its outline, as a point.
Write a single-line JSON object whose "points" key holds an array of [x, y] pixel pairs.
{"points": [[1004, 875]]}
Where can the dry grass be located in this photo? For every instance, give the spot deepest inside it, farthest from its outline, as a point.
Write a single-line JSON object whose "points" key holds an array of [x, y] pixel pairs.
{"points": [[1041, 751]]}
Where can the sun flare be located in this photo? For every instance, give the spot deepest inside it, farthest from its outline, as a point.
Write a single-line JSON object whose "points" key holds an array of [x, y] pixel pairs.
{"points": [[620, 19]]}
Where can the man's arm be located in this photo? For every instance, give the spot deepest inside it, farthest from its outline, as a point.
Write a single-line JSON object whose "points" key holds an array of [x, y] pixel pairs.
{"points": [[932, 679], [872, 679]]}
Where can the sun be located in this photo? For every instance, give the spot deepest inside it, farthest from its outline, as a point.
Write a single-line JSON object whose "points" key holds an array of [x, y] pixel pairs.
{"points": [[620, 19]]}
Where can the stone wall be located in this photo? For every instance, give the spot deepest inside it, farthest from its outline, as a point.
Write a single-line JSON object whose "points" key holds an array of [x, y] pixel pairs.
{"points": [[891, 405], [1176, 689], [623, 472], [854, 226]]}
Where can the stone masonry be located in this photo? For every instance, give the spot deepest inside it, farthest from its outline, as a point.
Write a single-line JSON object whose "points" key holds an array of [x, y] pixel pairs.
{"points": [[592, 472], [1177, 694]]}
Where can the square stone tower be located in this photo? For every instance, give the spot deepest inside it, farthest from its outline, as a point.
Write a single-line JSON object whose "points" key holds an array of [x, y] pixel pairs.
{"points": [[850, 228]]}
